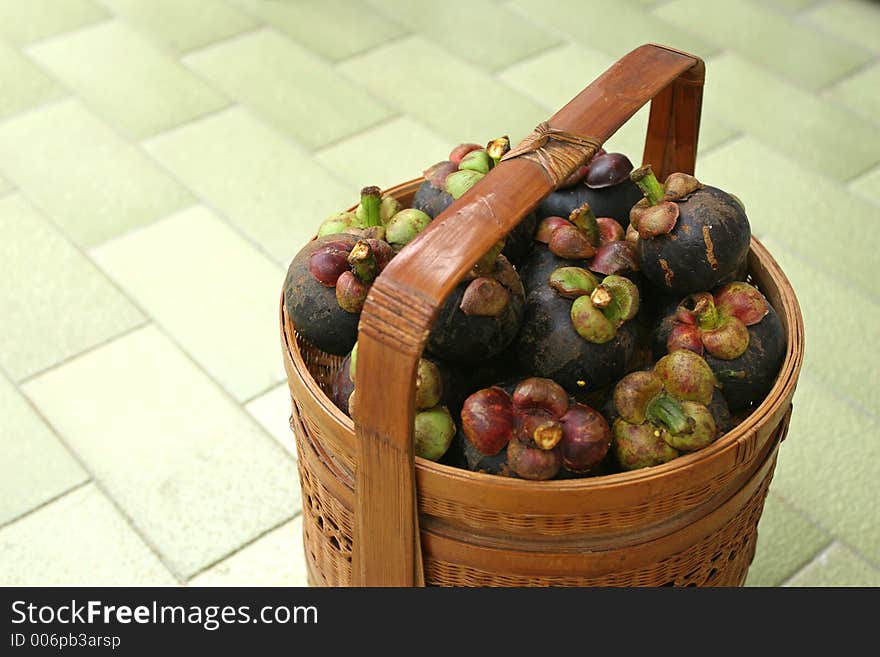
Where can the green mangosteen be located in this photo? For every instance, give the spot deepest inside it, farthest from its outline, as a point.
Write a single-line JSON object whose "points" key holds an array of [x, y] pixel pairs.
{"points": [[449, 180], [434, 428], [662, 413]]}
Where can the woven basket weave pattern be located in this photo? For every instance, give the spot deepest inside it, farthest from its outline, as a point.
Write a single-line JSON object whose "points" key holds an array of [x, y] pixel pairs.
{"points": [[720, 559]]}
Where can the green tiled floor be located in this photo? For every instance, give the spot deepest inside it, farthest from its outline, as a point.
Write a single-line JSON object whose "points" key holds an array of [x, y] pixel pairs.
{"points": [[161, 161]]}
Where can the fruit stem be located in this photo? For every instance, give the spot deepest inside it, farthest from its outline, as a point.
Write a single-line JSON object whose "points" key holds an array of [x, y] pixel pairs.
{"points": [[601, 297], [668, 411], [371, 202], [585, 219], [646, 180], [706, 313], [497, 148], [486, 265], [363, 262]]}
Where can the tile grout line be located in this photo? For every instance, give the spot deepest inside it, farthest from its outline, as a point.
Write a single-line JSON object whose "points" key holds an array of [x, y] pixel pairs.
{"points": [[812, 561], [835, 537], [42, 505], [97, 482], [84, 352], [23, 47], [152, 322], [243, 546]]}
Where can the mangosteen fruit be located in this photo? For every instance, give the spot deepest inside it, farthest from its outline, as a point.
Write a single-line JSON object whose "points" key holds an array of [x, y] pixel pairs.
{"points": [[576, 329], [310, 293], [738, 333], [664, 412], [605, 185], [691, 237], [534, 432], [482, 315], [449, 180], [434, 428]]}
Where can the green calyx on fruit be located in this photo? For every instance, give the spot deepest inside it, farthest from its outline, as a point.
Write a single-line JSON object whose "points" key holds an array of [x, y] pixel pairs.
{"points": [[573, 282], [668, 405], [658, 212], [433, 432], [389, 207], [458, 153], [717, 324], [478, 161], [686, 376], [459, 182], [597, 316], [640, 446], [429, 384], [403, 227], [336, 223]]}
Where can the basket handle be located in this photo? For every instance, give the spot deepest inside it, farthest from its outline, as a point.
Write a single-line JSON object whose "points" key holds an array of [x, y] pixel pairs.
{"points": [[404, 300]]}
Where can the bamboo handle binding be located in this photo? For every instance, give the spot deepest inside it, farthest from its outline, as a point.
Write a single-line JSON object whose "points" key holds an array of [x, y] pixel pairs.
{"points": [[404, 300]]}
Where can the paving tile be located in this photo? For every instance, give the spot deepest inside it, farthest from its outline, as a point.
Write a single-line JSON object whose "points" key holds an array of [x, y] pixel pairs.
{"points": [[53, 301], [796, 206], [182, 26], [258, 180], [272, 411], [787, 541], [35, 466], [857, 21], [827, 464], [615, 28], [213, 292], [444, 93], [191, 469], [841, 329], [289, 86], [837, 567], [24, 84], [87, 179], [23, 22], [486, 34], [540, 78], [99, 547], [867, 185], [768, 39], [793, 5], [386, 155], [334, 29], [126, 79], [276, 559], [859, 92], [815, 132]]}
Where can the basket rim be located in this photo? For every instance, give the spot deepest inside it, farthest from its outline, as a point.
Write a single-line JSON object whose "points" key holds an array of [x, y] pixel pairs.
{"points": [[782, 389]]}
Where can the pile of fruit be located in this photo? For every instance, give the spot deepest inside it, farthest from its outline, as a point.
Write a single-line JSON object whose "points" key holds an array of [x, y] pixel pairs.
{"points": [[613, 329]]}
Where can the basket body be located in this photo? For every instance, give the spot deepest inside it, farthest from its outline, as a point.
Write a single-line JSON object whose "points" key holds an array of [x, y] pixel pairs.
{"points": [[688, 522]]}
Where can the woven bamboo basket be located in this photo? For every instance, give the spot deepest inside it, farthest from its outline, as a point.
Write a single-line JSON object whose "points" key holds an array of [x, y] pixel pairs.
{"points": [[376, 515]]}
